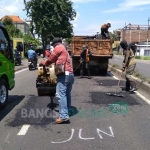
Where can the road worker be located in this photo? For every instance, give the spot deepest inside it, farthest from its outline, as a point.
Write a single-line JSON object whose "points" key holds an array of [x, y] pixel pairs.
{"points": [[84, 60]]}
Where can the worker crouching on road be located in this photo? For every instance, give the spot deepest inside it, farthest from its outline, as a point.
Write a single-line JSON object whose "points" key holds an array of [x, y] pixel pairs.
{"points": [[65, 81], [129, 65], [84, 60], [104, 31]]}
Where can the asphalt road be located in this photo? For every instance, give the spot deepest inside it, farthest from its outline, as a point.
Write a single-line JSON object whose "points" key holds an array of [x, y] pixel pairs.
{"points": [[99, 121], [142, 65]]}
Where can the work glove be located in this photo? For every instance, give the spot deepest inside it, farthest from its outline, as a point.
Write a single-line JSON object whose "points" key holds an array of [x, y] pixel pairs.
{"points": [[44, 62], [123, 65], [123, 69], [80, 61]]}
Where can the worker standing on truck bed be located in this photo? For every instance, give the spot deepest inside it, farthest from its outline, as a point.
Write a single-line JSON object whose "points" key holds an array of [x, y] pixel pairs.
{"points": [[104, 31], [129, 64], [84, 60]]}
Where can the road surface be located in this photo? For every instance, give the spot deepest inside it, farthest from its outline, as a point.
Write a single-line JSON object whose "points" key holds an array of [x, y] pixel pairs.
{"points": [[142, 66], [99, 121]]}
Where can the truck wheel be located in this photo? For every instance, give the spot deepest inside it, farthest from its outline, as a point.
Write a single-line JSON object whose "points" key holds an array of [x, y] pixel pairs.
{"points": [[29, 68], [39, 93], [103, 66], [3, 93], [104, 72]]}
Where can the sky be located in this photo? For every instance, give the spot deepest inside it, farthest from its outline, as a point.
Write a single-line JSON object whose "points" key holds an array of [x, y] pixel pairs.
{"points": [[91, 14]]}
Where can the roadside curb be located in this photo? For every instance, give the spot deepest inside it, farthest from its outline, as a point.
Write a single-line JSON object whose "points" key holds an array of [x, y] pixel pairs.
{"points": [[141, 85]]}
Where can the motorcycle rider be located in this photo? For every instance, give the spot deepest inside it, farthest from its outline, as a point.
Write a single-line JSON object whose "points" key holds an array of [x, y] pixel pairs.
{"points": [[18, 56], [32, 55]]}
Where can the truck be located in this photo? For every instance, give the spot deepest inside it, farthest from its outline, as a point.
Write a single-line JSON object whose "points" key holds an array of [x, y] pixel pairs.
{"points": [[101, 50], [7, 66]]}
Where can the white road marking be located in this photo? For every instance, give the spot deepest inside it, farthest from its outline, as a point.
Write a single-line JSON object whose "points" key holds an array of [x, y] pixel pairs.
{"points": [[111, 130], [66, 140], [116, 59], [21, 71], [115, 77], [23, 130], [143, 97], [6, 140], [80, 131], [137, 93]]}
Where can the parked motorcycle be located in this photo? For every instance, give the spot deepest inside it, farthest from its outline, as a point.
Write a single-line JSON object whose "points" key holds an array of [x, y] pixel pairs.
{"points": [[32, 64], [17, 56]]}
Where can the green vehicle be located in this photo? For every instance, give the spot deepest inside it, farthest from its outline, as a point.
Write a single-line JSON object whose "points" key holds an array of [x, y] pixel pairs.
{"points": [[7, 66]]}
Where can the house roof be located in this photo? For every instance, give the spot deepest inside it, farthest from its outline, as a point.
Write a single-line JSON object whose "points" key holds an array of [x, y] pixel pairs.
{"points": [[14, 18]]}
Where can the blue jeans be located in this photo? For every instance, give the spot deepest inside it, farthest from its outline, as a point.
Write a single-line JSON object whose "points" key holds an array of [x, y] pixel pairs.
{"points": [[63, 90]]}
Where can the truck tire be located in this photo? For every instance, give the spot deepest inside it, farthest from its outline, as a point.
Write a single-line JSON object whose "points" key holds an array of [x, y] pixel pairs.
{"points": [[103, 66], [39, 93], [103, 72], [3, 93]]}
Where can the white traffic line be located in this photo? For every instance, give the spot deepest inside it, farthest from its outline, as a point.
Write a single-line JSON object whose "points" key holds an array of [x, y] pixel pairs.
{"points": [[115, 78], [116, 59], [23, 130], [21, 70], [143, 97], [137, 93]]}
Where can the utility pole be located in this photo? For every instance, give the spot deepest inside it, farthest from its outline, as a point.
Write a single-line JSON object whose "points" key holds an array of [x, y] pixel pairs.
{"points": [[148, 30]]}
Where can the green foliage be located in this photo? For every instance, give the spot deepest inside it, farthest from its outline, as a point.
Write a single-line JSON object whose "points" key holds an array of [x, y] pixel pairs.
{"points": [[137, 57], [11, 29], [51, 18], [146, 57], [142, 57], [68, 40], [113, 36]]}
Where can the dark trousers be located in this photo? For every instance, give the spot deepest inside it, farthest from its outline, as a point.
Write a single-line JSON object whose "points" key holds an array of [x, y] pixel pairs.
{"points": [[129, 80], [104, 33], [85, 67]]}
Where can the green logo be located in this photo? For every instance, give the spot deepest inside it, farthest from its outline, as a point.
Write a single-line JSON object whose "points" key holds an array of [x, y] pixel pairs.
{"points": [[119, 108]]}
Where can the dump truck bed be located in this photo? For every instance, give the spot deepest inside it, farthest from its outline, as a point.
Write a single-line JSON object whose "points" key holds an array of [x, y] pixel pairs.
{"points": [[98, 47], [101, 52]]}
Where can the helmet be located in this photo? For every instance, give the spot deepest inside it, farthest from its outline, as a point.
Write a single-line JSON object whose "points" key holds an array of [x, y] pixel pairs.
{"points": [[84, 47], [32, 47], [48, 46], [56, 40], [124, 44], [109, 25]]}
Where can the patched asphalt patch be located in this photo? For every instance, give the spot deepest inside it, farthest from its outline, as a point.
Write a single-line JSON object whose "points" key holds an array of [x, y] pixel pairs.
{"points": [[35, 112]]}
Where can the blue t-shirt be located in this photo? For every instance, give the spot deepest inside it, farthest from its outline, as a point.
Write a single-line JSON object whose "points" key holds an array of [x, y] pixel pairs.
{"points": [[31, 54]]}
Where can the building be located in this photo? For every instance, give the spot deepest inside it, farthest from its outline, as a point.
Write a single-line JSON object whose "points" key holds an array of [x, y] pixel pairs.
{"points": [[19, 23], [139, 34], [143, 49], [135, 33]]}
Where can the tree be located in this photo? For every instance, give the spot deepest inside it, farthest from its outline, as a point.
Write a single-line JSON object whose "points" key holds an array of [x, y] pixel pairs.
{"points": [[11, 29], [113, 36], [68, 40], [51, 18]]}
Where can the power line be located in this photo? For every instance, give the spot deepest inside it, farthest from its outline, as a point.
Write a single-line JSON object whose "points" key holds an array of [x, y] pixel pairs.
{"points": [[10, 12], [21, 2]]}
